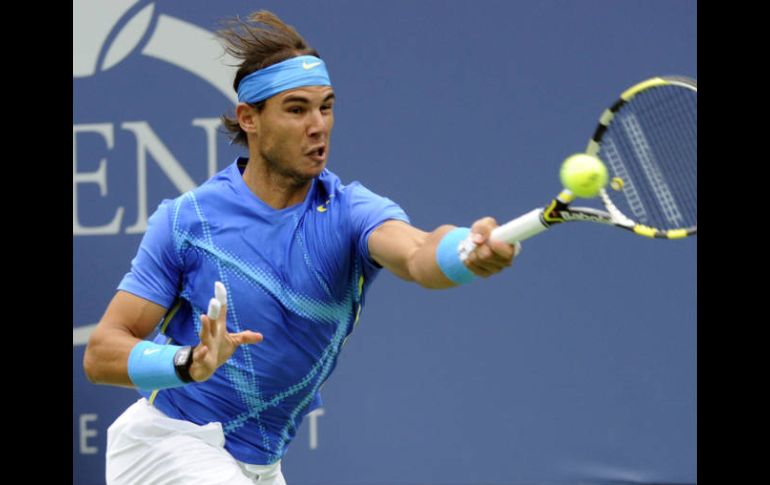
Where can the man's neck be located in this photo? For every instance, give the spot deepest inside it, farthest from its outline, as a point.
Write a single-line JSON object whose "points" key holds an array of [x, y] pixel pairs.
{"points": [[274, 189]]}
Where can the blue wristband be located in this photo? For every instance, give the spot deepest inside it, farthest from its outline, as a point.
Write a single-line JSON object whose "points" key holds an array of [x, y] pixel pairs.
{"points": [[151, 366], [448, 258]]}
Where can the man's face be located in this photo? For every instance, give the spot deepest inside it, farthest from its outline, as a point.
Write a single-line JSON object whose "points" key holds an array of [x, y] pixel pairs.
{"points": [[294, 131]]}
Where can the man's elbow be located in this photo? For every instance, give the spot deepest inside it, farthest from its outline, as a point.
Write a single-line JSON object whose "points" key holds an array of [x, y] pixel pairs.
{"points": [[91, 360], [90, 366]]}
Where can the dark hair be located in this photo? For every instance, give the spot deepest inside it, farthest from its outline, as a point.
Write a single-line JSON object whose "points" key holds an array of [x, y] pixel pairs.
{"points": [[260, 41]]}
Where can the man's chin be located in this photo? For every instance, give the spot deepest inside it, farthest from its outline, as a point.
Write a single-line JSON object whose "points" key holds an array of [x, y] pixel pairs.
{"points": [[316, 169], [306, 176]]}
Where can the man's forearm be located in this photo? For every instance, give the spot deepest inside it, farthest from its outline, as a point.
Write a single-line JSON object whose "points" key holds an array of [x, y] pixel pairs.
{"points": [[423, 266]]}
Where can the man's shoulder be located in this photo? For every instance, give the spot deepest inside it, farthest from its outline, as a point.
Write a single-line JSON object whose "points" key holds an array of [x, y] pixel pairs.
{"points": [[217, 191], [220, 184], [189, 207], [331, 183]]}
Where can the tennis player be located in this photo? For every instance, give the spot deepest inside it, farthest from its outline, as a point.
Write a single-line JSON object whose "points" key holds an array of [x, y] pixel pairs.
{"points": [[295, 250]]}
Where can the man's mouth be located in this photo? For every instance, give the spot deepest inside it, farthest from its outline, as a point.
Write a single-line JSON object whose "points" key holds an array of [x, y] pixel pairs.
{"points": [[318, 153]]}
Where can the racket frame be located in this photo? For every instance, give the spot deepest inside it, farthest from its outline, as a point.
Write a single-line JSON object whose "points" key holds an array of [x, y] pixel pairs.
{"points": [[559, 210]]}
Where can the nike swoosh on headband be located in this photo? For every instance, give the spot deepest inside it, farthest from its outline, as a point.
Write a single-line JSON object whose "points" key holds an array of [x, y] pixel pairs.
{"points": [[292, 73]]}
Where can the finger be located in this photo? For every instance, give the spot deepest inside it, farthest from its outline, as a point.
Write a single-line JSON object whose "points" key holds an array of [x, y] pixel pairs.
{"points": [[488, 266], [481, 229], [207, 332], [487, 257], [200, 369], [483, 252], [217, 316], [219, 326], [247, 337], [496, 262], [220, 293], [200, 353], [223, 315], [477, 264], [501, 249], [214, 309], [481, 271]]}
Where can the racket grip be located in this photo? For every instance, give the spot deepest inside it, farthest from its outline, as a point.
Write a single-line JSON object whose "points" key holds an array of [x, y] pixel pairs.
{"points": [[521, 228], [512, 232]]}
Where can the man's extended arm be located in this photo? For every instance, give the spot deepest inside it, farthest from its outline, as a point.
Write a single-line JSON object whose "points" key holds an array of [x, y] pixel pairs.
{"points": [[410, 253]]}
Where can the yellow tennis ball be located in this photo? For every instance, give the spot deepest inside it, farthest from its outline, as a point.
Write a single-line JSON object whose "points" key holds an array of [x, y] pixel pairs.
{"points": [[583, 175]]}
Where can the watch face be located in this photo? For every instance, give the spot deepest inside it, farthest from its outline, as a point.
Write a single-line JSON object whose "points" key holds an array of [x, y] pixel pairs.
{"points": [[180, 358]]}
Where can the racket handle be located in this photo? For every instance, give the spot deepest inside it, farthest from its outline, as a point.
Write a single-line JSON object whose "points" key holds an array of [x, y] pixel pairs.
{"points": [[512, 232], [521, 228]]}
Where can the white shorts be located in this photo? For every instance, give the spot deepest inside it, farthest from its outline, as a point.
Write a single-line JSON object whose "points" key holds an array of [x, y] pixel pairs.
{"points": [[146, 447]]}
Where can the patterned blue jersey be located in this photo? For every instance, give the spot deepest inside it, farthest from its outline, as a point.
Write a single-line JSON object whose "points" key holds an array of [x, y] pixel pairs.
{"points": [[297, 275]]}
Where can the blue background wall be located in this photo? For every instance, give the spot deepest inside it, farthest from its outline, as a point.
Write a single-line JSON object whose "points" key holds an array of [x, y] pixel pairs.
{"points": [[576, 366]]}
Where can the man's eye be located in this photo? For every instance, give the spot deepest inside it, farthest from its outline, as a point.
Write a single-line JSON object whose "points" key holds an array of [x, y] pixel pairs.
{"points": [[295, 110]]}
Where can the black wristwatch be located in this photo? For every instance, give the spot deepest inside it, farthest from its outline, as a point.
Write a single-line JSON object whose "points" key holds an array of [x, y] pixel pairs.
{"points": [[183, 359]]}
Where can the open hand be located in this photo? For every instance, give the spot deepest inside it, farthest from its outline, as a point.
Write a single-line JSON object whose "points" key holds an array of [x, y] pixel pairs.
{"points": [[217, 345]]}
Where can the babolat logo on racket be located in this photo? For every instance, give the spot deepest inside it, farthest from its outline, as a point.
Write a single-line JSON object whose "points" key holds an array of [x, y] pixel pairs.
{"points": [[558, 211], [582, 216]]}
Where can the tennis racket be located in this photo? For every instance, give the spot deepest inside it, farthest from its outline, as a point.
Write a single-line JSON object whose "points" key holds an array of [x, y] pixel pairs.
{"points": [[648, 140]]}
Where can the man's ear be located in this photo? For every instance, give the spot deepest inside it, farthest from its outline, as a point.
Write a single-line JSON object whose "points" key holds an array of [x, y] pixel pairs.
{"points": [[247, 117]]}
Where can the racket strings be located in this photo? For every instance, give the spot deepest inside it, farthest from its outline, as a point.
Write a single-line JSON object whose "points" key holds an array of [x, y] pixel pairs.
{"points": [[651, 145], [683, 115], [674, 119]]}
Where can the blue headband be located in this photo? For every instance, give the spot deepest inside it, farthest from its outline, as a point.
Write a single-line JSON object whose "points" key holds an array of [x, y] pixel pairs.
{"points": [[289, 74]]}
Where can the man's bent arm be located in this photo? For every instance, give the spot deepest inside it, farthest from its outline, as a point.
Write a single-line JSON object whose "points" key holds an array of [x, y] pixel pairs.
{"points": [[127, 320]]}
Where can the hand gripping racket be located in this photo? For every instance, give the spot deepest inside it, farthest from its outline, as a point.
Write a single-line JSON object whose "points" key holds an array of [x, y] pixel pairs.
{"points": [[648, 139]]}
